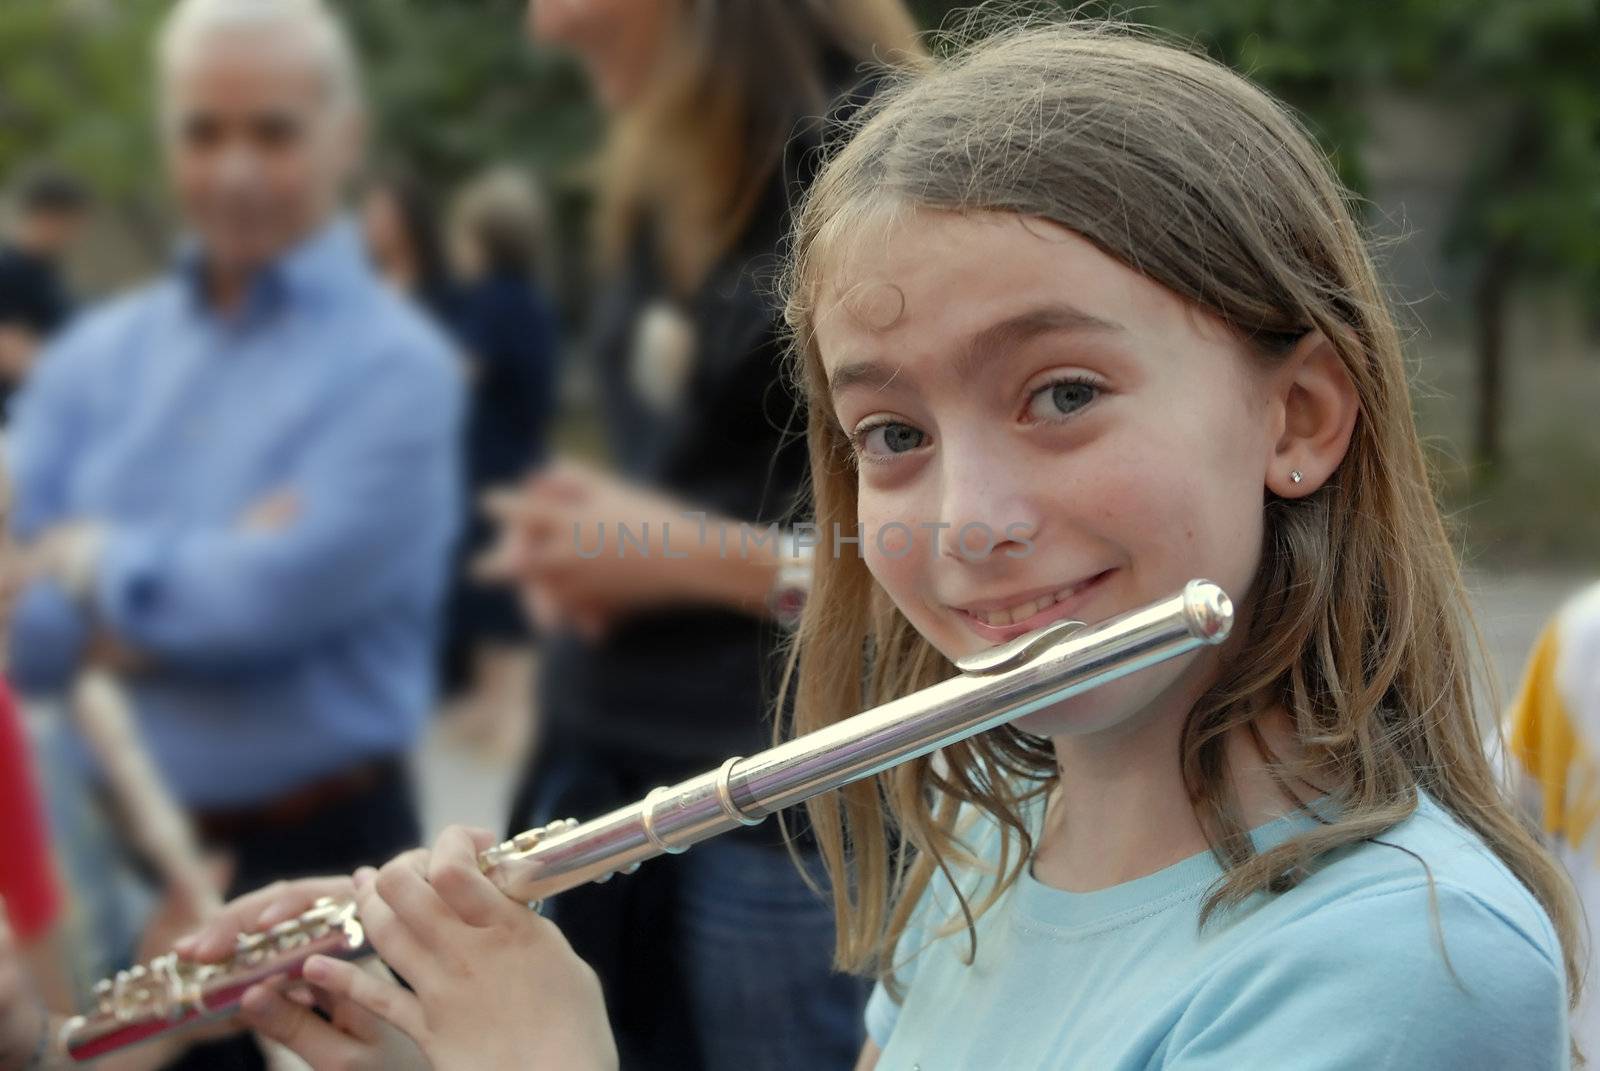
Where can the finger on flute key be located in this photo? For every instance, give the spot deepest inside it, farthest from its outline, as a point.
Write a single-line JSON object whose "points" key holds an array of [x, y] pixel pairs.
{"points": [[259, 910], [454, 874], [377, 995], [391, 938]]}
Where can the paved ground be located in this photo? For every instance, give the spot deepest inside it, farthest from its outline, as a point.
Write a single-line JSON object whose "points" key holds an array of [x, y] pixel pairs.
{"points": [[1512, 610], [458, 787]]}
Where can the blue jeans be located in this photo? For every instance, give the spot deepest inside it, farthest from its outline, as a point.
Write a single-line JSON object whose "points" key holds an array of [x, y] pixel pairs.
{"points": [[719, 959], [108, 903], [757, 948]]}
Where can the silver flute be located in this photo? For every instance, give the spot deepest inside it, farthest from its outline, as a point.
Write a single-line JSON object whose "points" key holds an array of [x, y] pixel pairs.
{"points": [[994, 687]]}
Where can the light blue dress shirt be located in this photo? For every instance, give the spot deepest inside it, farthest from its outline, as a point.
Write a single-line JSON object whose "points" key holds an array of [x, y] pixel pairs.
{"points": [[277, 655]]}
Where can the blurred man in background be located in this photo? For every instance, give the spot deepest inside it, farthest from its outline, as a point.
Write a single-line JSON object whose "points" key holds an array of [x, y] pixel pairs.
{"points": [[238, 486], [51, 208]]}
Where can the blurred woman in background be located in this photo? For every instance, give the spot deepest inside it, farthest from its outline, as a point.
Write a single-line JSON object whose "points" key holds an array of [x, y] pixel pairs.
{"points": [[507, 328], [479, 277], [659, 667]]}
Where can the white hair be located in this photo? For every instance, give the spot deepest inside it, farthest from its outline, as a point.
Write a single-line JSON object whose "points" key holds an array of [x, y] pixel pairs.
{"points": [[325, 33]]}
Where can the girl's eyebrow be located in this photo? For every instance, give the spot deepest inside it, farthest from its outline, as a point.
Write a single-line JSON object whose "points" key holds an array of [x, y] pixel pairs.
{"points": [[996, 338]]}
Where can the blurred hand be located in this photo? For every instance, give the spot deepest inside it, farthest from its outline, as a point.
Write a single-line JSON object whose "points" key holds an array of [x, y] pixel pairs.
{"points": [[25, 1023], [23, 1020], [559, 542], [108, 652], [14, 577], [273, 513], [68, 554], [494, 984], [18, 348]]}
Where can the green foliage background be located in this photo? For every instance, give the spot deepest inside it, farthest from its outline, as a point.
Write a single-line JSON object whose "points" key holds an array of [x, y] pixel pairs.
{"points": [[455, 85]]}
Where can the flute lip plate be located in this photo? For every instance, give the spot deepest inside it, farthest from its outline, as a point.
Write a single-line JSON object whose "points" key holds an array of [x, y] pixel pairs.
{"points": [[1015, 652]]}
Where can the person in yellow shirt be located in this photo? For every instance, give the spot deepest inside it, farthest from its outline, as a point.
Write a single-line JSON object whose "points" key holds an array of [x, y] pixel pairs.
{"points": [[1552, 734]]}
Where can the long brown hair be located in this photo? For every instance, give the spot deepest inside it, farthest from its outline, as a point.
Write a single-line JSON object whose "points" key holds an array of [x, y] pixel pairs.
{"points": [[697, 152], [1357, 625]]}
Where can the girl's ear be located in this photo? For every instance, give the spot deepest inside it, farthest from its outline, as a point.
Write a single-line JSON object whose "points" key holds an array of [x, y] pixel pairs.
{"points": [[1318, 405]]}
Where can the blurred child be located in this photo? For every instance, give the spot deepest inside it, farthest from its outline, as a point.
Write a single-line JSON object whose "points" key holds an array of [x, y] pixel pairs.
{"points": [[1553, 740]]}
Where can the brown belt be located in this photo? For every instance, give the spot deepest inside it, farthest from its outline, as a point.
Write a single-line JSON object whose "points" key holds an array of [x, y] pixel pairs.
{"points": [[298, 807]]}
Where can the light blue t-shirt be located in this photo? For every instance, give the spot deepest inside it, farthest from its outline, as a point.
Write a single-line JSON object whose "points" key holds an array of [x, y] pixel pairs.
{"points": [[1344, 971]]}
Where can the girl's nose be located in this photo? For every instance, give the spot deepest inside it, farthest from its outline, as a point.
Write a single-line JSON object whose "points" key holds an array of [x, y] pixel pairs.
{"points": [[989, 508]]}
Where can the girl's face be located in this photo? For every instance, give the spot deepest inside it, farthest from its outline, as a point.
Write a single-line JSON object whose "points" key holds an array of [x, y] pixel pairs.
{"points": [[1042, 434], [618, 41]]}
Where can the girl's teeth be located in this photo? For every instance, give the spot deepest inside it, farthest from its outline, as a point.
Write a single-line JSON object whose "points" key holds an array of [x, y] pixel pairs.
{"points": [[1001, 618], [1021, 612]]}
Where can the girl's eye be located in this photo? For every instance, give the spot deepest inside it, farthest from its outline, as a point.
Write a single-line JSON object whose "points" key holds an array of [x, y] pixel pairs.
{"points": [[882, 441], [1062, 398]]}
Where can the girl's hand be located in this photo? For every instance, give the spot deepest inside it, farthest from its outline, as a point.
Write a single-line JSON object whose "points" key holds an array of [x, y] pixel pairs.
{"points": [[495, 985], [350, 1038], [257, 911]]}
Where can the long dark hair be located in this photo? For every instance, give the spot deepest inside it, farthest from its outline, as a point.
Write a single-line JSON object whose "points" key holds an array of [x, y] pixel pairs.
{"points": [[696, 153], [419, 220]]}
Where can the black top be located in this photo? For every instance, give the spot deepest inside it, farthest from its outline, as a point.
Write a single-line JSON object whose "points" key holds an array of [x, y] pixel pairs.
{"points": [[689, 687], [33, 297], [31, 292], [509, 332], [688, 684]]}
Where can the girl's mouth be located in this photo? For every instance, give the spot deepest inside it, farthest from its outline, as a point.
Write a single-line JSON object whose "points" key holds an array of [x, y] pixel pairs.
{"points": [[997, 621]]}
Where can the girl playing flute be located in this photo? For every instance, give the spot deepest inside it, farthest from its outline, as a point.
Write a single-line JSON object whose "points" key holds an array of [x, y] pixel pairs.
{"points": [[1081, 315]]}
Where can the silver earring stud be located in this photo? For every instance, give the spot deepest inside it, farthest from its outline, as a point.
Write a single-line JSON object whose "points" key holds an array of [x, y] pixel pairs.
{"points": [[1295, 477]]}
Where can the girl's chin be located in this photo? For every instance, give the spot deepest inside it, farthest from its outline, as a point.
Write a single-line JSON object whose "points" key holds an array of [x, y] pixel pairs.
{"points": [[1118, 705], [1082, 715]]}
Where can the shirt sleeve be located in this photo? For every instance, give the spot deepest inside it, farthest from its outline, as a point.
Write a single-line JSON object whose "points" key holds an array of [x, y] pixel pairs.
{"points": [[377, 508], [1545, 750], [1368, 984], [27, 873], [49, 633]]}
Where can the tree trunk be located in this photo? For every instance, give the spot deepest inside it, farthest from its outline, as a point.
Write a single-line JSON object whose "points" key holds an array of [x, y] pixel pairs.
{"points": [[1491, 297]]}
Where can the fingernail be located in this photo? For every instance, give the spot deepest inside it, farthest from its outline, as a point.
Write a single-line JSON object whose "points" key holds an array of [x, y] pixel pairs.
{"points": [[363, 876], [316, 969], [185, 945], [254, 999]]}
